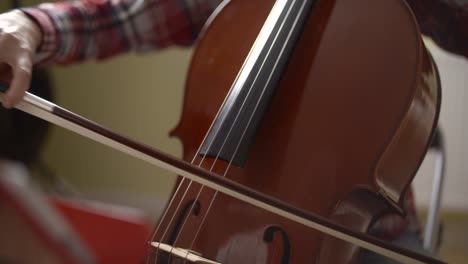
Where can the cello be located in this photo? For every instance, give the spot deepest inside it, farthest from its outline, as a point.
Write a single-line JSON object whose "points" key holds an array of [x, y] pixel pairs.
{"points": [[328, 124], [321, 108]]}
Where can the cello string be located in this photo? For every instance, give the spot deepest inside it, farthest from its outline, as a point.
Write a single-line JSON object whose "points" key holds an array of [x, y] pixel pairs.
{"points": [[263, 90], [262, 66], [251, 87], [256, 106], [165, 213], [250, 119], [223, 144], [229, 132], [212, 140]]}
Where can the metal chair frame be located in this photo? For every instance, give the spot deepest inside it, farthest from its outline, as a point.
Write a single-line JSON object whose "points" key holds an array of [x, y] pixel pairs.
{"points": [[432, 231]]}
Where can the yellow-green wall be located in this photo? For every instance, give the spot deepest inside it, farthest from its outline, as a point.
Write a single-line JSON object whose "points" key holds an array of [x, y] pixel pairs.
{"points": [[139, 96]]}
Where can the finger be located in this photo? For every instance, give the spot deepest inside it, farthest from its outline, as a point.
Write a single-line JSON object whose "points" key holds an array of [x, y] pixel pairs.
{"points": [[19, 84]]}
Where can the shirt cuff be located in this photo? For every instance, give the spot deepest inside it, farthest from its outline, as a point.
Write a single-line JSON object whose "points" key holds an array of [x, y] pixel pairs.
{"points": [[48, 45]]}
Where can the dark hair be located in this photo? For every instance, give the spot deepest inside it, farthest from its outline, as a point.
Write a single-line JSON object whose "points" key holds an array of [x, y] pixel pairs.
{"points": [[22, 135]]}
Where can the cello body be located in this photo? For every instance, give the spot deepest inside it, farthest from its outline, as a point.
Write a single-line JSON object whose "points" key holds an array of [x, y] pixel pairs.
{"points": [[343, 136]]}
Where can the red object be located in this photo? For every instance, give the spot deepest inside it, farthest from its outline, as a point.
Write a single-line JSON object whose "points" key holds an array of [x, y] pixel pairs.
{"points": [[36, 228], [113, 236]]}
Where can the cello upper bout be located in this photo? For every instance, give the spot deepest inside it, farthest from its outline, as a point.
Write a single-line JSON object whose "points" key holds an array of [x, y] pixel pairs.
{"points": [[407, 148]]}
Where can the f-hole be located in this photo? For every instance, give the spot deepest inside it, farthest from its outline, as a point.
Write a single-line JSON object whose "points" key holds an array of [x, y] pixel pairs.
{"points": [[269, 236]]}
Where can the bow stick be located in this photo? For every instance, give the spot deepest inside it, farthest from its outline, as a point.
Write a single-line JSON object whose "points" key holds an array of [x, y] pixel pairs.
{"points": [[61, 117]]}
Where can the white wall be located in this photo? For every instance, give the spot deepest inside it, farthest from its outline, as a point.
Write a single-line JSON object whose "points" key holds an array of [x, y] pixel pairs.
{"points": [[454, 124]]}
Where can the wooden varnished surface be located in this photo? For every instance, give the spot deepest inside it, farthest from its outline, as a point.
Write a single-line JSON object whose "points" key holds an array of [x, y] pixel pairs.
{"points": [[352, 81]]}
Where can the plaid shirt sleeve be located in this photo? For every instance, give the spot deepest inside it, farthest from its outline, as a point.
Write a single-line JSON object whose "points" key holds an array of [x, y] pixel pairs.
{"points": [[445, 22], [76, 31]]}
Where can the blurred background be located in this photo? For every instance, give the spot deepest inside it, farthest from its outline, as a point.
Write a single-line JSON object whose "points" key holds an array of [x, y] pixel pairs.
{"points": [[141, 96]]}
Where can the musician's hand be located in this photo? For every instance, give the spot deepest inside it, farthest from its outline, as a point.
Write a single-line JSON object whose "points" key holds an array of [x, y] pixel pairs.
{"points": [[19, 38]]}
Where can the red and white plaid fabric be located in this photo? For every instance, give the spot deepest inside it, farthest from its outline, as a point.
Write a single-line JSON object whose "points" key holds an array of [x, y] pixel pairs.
{"points": [[96, 29]]}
